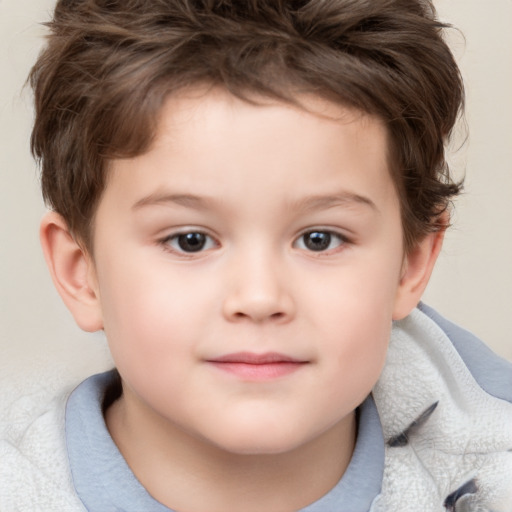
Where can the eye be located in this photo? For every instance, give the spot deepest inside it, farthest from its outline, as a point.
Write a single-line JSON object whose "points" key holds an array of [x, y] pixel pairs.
{"points": [[319, 241], [190, 242]]}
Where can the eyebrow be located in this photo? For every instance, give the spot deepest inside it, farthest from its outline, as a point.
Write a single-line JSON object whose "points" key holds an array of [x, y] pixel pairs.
{"points": [[324, 202], [187, 200]]}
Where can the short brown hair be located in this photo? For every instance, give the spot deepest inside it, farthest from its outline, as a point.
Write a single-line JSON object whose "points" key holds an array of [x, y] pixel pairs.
{"points": [[109, 65]]}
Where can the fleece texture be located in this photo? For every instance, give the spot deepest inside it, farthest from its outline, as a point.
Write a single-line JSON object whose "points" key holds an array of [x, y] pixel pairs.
{"points": [[448, 442]]}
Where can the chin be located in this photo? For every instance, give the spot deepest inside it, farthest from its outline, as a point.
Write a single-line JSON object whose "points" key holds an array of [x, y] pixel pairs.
{"points": [[263, 448], [266, 441]]}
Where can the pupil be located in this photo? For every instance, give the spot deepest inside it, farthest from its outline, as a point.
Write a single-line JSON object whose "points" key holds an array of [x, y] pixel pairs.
{"points": [[317, 241], [191, 242]]}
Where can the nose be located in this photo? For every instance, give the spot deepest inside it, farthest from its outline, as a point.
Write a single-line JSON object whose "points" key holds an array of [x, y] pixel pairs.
{"points": [[258, 291]]}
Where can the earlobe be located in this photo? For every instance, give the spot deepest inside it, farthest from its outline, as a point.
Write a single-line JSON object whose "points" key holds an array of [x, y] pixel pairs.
{"points": [[418, 267], [72, 272]]}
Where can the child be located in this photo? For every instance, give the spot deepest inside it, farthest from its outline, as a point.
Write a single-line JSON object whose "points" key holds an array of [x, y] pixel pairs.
{"points": [[249, 198]]}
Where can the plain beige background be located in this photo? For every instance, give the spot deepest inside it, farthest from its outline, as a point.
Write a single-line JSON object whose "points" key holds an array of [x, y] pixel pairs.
{"points": [[472, 284]]}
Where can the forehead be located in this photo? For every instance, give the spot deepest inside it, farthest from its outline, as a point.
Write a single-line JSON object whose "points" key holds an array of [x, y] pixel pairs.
{"points": [[211, 106]]}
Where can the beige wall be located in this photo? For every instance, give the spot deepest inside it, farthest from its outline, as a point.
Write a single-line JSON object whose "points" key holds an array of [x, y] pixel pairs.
{"points": [[473, 281]]}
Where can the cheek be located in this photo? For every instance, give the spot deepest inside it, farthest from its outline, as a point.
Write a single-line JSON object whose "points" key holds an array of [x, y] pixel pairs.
{"points": [[151, 345], [139, 294], [355, 319], [360, 348], [358, 354], [358, 299], [153, 317], [140, 313]]}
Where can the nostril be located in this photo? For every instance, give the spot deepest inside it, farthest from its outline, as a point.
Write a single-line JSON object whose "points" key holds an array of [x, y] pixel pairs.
{"points": [[259, 316], [274, 316]]}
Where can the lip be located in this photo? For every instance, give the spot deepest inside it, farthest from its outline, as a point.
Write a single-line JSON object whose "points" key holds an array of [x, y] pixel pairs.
{"points": [[257, 367]]}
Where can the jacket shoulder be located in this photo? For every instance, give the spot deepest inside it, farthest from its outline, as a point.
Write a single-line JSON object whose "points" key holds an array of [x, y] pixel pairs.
{"points": [[34, 469], [492, 373]]}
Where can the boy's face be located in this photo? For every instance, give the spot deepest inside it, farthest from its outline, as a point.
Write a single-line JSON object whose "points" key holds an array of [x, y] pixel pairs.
{"points": [[247, 270]]}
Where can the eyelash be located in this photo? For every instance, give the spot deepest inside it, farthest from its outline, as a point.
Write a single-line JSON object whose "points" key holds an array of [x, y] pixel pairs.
{"points": [[209, 242]]}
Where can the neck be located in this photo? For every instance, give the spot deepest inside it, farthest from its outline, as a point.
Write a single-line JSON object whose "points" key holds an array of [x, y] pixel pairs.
{"points": [[187, 473]]}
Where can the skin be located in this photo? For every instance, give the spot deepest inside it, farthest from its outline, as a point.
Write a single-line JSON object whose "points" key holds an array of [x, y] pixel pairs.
{"points": [[256, 181]]}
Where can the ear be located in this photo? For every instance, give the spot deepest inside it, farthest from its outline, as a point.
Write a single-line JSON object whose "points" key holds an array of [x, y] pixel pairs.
{"points": [[72, 271], [417, 269]]}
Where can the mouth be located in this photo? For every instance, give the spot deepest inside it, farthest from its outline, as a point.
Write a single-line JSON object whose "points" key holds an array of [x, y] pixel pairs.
{"points": [[257, 367]]}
